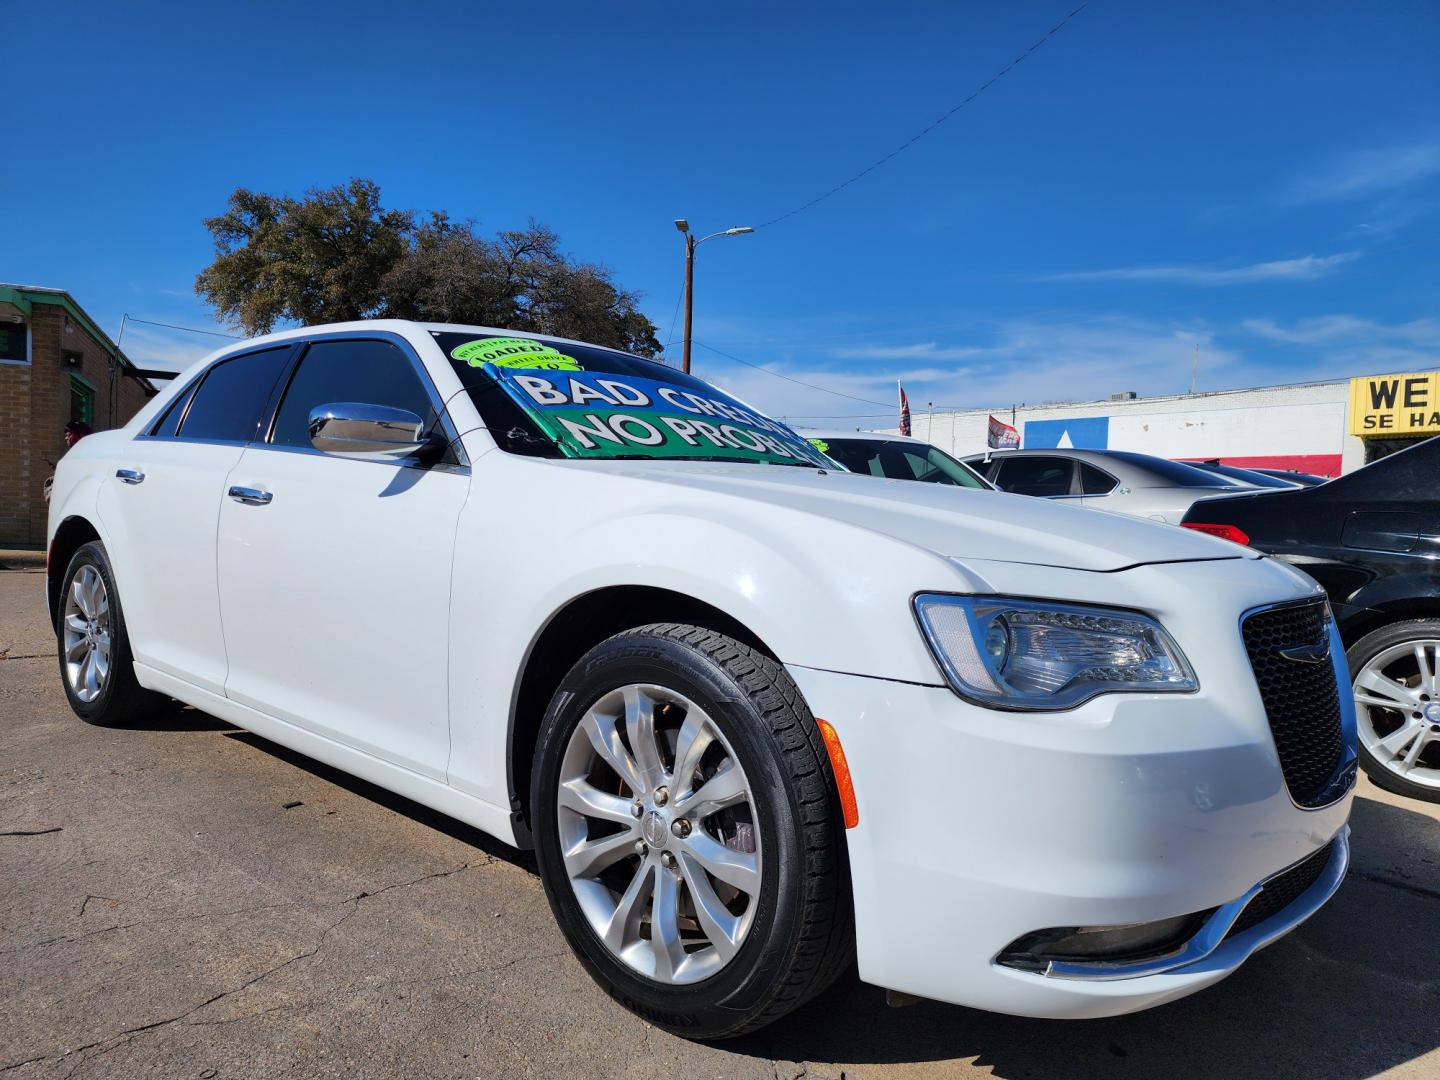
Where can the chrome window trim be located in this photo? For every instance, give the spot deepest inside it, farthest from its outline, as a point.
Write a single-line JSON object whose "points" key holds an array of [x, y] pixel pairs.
{"points": [[1210, 936]]}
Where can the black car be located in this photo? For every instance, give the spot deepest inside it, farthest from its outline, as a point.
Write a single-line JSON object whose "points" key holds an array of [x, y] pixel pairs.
{"points": [[1304, 479], [1372, 539]]}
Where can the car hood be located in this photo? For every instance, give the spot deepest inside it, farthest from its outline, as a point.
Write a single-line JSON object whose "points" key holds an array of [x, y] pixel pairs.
{"points": [[948, 521]]}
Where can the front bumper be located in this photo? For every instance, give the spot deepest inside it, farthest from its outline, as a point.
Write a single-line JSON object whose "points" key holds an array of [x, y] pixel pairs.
{"points": [[977, 828]]}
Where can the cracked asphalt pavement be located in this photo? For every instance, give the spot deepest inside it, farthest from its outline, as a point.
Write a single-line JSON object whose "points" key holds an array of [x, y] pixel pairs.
{"points": [[185, 899]]}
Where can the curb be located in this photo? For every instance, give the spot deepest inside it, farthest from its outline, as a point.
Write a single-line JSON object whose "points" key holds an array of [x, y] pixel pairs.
{"points": [[22, 560]]}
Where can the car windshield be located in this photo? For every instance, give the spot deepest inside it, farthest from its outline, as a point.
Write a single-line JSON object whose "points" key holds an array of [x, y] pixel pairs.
{"points": [[1169, 473], [550, 398], [1244, 476], [899, 461]]}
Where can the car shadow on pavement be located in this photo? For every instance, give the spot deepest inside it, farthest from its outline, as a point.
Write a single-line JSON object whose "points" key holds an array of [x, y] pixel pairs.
{"points": [[176, 718], [457, 830], [1353, 992]]}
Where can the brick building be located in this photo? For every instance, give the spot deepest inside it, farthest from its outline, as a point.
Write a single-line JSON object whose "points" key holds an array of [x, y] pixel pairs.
{"points": [[56, 365]]}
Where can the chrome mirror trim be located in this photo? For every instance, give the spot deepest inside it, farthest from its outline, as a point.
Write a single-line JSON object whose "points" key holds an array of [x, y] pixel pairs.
{"points": [[352, 427]]}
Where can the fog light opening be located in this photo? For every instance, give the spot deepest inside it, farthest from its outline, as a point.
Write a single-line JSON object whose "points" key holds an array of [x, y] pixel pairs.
{"points": [[1099, 945]]}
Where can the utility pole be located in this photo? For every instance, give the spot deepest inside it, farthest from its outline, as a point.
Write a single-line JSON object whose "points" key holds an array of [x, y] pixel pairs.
{"points": [[690, 245], [1194, 369], [689, 298]]}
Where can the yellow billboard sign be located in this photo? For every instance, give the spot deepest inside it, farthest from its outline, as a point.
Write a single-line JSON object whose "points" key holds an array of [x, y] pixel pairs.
{"points": [[1395, 404]]}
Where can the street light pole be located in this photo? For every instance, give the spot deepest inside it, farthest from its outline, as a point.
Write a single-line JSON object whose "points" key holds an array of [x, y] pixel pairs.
{"points": [[689, 299], [690, 245]]}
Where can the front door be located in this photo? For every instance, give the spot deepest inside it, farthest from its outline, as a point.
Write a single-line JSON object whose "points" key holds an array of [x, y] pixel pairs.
{"points": [[335, 592]]}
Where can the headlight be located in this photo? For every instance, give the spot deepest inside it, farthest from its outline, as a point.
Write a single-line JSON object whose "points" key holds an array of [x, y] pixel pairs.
{"points": [[1027, 654]]}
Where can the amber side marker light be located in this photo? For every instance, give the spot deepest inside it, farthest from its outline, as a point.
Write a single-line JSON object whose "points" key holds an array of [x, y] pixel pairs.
{"points": [[848, 806], [1224, 532]]}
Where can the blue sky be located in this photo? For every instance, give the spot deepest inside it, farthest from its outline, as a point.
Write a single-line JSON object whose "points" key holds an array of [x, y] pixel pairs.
{"points": [[1262, 180]]}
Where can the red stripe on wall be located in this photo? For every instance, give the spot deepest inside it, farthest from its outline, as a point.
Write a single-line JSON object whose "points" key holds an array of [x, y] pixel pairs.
{"points": [[1319, 464]]}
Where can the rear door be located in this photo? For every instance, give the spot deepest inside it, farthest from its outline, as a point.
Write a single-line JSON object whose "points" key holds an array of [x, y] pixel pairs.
{"points": [[162, 505], [336, 591]]}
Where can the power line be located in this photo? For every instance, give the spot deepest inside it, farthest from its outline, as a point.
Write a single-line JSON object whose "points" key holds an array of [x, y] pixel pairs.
{"points": [[680, 296], [187, 329], [787, 378], [931, 126], [834, 416]]}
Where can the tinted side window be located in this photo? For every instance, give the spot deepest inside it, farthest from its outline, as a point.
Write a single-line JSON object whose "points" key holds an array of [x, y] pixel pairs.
{"points": [[1040, 476], [369, 372], [1095, 482], [228, 403], [166, 425]]}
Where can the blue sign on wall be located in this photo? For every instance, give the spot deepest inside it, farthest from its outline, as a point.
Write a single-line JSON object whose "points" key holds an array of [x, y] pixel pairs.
{"points": [[1081, 433]]}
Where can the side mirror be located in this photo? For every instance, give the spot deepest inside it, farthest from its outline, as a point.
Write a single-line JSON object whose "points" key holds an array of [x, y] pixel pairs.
{"points": [[351, 427]]}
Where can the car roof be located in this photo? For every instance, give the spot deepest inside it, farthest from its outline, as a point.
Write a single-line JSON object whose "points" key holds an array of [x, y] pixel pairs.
{"points": [[396, 325], [1063, 451]]}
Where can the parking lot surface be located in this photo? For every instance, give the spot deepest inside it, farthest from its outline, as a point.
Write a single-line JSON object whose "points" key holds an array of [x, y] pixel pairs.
{"points": [[185, 899]]}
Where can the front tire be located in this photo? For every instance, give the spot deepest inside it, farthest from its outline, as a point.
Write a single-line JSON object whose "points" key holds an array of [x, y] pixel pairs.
{"points": [[96, 666], [1396, 675], [686, 832]]}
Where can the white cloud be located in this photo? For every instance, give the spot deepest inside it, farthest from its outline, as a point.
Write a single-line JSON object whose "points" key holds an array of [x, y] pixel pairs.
{"points": [[1017, 361], [1347, 329], [1306, 268], [1368, 172], [926, 350]]}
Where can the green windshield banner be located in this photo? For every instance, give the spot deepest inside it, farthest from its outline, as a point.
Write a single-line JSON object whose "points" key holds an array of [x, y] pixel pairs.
{"points": [[593, 415]]}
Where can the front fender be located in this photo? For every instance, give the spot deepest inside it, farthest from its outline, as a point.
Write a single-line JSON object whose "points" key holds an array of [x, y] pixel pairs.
{"points": [[819, 593]]}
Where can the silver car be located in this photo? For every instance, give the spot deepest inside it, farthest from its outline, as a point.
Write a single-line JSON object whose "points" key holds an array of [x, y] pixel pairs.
{"points": [[1137, 484]]}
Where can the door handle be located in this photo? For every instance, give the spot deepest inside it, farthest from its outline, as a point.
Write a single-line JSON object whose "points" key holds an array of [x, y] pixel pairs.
{"points": [[250, 496], [130, 476]]}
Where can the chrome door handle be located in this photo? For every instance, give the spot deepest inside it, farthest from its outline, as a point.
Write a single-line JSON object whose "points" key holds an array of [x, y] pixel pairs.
{"points": [[250, 496], [129, 476]]}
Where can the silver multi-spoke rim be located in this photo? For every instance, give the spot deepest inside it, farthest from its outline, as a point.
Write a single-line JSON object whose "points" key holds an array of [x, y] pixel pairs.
{"points": [[87, 634], [660, 834], [1397, 706]]}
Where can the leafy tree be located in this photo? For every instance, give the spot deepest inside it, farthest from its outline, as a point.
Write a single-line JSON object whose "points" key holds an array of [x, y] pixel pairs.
{"points": [[337, 254], [312, 260]]}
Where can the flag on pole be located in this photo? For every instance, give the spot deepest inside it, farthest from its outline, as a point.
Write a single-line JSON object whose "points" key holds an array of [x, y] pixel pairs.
{"points": [[1002, 436], [904, 411]]}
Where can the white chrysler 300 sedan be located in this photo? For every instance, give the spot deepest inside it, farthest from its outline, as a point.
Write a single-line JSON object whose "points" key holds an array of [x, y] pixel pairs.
{"points": [[756, 715]]}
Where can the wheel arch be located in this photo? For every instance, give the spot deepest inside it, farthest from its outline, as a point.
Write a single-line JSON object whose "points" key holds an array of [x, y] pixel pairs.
{"points": [[72, 534], [568, 634], [1383, 613]]}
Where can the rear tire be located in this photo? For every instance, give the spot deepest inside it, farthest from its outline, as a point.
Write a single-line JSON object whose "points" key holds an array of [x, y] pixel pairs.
{"points": [[1395, 672], [738, 950], [96, 665]]}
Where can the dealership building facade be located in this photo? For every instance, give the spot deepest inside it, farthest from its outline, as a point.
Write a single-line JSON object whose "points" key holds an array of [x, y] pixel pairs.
{"points": [[1324, 427], [56, 365]]}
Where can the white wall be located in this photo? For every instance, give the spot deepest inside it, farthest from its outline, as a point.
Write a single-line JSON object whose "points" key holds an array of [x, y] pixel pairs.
{"points": [[1275, 421]]}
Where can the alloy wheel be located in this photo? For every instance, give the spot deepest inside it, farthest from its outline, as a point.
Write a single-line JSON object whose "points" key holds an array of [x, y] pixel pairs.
{"points": [[87, 633], [1397, 706], [659, 833]]}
